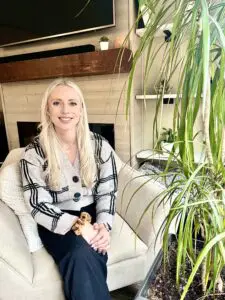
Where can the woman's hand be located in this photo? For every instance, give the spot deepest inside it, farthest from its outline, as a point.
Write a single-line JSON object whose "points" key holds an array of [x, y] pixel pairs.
{"points": [[87, 230], [101, 241]]}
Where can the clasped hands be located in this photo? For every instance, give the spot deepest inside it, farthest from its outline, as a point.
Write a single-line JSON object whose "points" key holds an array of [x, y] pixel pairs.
{"points": [[96, 235]]}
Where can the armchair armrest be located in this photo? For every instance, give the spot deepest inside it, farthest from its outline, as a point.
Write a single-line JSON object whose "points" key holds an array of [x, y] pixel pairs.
{"points": [[135, 193], [14, 251]]}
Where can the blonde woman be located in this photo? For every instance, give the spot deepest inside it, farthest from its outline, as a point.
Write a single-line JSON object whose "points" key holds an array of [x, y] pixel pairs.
{"points": [[67, 170]]}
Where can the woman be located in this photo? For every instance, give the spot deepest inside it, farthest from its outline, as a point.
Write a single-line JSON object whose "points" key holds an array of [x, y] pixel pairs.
{"points": [[67, 170]]}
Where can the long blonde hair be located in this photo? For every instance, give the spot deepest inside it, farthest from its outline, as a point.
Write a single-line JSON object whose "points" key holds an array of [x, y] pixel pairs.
{"points": [[50, 142]]}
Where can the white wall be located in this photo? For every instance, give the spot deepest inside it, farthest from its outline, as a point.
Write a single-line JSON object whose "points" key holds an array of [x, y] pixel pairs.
{"points": [[165, 118]]}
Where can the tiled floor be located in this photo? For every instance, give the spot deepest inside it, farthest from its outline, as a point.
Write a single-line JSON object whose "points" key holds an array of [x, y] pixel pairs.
{"points": [[127, 293]]}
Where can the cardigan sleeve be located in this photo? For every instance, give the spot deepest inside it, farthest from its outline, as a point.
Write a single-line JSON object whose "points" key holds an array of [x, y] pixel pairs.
{"points": [[105, 190], [37, 196]]}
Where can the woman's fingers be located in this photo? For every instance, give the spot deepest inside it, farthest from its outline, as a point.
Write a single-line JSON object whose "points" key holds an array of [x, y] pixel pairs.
{"points": [[101, 243], [100, 239], [104, 246], [96, 226], [102, 233], [104, 249]]}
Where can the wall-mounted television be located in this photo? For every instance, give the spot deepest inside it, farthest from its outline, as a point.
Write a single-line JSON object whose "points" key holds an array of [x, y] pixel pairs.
{"points": [[27, 21]]}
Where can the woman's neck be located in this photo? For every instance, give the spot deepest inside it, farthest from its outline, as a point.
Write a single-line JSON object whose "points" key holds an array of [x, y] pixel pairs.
{"points": [[67, 138], [68, 144]]}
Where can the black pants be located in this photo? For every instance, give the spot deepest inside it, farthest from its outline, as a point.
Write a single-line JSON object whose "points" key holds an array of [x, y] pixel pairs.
{"points": [[83, 270]]}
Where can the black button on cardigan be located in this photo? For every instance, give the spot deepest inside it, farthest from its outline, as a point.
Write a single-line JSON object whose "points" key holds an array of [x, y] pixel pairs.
{"points": [[75, 178], [77, 197]]}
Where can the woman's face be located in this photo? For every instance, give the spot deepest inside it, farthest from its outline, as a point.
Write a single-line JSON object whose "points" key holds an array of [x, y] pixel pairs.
{"points": [[65, 108]]}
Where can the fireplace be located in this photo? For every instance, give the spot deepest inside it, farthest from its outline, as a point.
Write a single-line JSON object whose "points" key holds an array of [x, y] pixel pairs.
{"points": [[28, 130]]}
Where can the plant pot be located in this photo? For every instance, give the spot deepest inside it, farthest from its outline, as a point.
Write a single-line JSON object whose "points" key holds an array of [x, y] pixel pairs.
{"points": [[156, 286], [150, 277], [104, 45]]}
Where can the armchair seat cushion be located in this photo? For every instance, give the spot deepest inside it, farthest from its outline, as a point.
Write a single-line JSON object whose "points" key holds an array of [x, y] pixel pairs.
{"points": [[125, 244]]}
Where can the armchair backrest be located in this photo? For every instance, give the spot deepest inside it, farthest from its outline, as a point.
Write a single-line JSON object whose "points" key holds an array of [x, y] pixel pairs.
{"points": [[139, 203], [13, 156]]}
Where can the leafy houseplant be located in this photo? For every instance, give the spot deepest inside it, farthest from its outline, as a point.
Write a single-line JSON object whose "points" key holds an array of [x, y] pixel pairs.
{"points": [[161, 86], [166, 140], [104, 43], [197, 191]]}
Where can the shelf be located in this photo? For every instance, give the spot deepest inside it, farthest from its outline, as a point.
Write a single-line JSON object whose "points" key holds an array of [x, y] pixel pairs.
{"points": [[160, 33], [152, 97], [81, 64], [150, 154], [146, 155]]}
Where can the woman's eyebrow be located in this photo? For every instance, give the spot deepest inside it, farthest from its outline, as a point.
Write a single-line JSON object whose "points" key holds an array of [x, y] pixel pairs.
{"points": [[70, 100], [56, 99], [73, 99]]}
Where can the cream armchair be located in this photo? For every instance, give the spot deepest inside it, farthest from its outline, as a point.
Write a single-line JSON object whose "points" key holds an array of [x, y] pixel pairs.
{"points": [[25, 275]]}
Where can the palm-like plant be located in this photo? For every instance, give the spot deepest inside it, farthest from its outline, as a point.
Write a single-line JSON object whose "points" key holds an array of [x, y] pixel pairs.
{"points": [[198, 192]]}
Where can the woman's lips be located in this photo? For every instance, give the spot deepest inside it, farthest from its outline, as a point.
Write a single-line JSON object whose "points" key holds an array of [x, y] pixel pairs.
{"points": [[65, 119]]}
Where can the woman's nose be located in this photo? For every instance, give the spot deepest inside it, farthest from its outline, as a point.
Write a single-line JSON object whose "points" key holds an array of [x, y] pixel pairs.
{"points": [[65, 109]]}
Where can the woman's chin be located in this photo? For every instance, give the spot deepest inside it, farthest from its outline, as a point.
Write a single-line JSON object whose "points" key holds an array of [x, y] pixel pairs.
{"points": [[65, 127]]}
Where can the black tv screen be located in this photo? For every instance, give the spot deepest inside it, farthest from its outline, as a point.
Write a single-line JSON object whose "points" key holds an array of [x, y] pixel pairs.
{"points": [[28, 20]]}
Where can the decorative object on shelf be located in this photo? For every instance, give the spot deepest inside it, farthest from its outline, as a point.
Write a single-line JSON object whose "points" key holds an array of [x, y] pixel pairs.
{"points": [[168, 34], [168, 135], [104, 43], [162, 86], [166, 140]]}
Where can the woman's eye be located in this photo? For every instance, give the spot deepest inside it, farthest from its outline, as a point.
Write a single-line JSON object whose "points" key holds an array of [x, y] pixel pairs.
{"points": [[55, 103], [73, 103]]}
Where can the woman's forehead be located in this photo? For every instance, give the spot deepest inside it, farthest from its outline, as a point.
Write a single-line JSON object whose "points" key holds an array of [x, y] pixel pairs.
{"points": [[64, 92]]}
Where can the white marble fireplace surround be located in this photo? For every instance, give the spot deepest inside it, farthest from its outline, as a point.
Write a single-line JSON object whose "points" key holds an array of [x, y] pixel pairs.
{"points": [[103, 96]]}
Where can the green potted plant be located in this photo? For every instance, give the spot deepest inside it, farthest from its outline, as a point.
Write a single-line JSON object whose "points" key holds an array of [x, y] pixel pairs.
{"points": [[197, 190], [104, 43], [166, 140]]}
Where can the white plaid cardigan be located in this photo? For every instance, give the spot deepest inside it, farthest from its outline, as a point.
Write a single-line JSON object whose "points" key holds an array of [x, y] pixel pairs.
{"points": [[46, 204]]}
